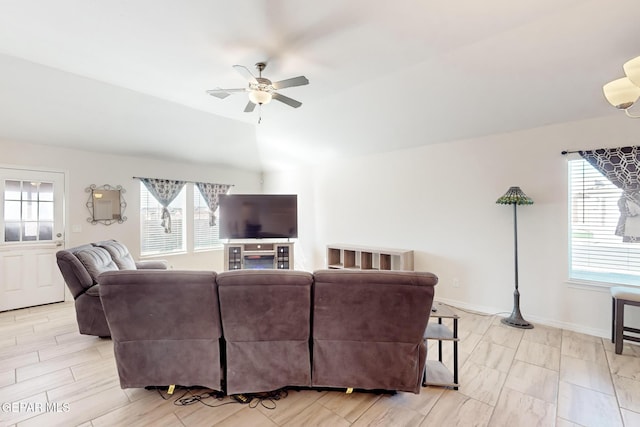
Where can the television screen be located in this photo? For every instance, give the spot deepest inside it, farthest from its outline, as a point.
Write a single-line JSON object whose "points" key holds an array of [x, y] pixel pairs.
{"points": [[258, 216]]}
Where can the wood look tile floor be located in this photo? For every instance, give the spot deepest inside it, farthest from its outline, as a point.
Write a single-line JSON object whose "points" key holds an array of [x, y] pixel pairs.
{"points": [[509, 377]]}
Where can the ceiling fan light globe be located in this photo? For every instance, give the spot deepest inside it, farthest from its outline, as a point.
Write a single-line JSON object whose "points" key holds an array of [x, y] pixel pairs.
{"points": [[632, 70], [260, 97], [621, 93]]}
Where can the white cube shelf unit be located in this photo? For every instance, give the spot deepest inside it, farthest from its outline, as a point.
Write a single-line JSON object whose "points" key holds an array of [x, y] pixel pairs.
{"points": [[368, 258]]}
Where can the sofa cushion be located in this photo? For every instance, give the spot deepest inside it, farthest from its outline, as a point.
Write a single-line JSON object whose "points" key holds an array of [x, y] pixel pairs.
{"points": [[119, 253], [362, 299], [152, 264], [265, 305], [75, 274], [96, 261]]}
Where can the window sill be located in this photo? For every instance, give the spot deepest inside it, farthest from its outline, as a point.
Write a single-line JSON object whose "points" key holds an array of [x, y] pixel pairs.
{"points": [[214, 249], [592, 285], [181, 253], [163, 255]]}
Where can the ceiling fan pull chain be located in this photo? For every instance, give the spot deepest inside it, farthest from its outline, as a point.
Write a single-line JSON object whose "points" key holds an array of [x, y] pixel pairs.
{"points": [[259, 113]]}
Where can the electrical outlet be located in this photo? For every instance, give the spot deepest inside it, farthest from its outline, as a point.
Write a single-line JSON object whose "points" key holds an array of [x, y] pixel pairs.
{"points": [[456, 282]]}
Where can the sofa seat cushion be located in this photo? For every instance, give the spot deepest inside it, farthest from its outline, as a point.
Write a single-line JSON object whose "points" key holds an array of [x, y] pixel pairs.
{"points": [[96, 261], [119, 253]]}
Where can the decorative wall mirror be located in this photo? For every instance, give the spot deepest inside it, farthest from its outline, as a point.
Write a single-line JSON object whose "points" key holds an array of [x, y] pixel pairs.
{"points": [[106, 204]]}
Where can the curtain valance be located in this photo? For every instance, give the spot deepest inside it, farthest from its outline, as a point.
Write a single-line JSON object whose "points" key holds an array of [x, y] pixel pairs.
{"points": [[621, 166], [166, 190], [211, 194]]}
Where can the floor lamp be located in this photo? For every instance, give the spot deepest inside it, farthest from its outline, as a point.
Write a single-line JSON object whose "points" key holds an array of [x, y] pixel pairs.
{"points": [[515, 196]]}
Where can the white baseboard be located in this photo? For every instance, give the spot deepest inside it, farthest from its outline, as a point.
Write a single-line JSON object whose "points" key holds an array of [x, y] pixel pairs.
{"points": [[602, 333]]}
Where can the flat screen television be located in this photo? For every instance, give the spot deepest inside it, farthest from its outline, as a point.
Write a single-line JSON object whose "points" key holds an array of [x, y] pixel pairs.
{"points": [[258, 216]]}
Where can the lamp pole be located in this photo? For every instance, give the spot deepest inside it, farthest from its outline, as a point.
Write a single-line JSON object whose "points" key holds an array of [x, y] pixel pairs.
{"points": [[515, 253], [515, 197]]}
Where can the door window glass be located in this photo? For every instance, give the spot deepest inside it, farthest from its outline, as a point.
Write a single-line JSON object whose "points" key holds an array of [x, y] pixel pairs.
{"points": [[28, 211]]}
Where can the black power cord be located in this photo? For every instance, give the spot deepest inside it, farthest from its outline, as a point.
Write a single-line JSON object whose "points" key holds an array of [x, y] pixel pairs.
{"points": [[268, 400], [190, 396]]}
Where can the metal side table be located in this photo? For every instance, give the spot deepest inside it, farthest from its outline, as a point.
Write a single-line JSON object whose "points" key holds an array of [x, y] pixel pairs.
{"points": [[436, 373]]}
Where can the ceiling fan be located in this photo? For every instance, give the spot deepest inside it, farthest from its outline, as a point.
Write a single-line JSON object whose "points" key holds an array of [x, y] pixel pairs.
{"points": [[261, 90]]}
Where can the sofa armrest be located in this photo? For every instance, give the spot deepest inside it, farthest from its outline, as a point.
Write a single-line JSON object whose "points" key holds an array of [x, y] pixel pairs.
{"points": [[159, 264]]}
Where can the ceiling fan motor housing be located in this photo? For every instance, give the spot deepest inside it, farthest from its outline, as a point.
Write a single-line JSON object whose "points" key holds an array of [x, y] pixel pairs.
{"points": [[264, 85]]}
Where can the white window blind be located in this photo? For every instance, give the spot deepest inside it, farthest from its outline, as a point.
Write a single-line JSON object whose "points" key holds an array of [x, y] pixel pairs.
{"points": [[204, 236], [596, 253], [153, 238]]}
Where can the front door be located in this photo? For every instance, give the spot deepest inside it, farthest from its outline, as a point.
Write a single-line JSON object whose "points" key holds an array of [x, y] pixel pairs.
{"points": [[31, 232]]}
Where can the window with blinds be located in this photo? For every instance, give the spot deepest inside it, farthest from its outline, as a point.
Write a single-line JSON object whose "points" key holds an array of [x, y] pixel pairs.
{"points": [[204, 235], [153, 238], [184, 219], [596, 253]]}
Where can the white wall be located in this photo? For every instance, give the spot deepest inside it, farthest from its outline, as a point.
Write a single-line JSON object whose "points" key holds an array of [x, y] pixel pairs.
{"points": [[302, 185], [439, 200], [84, 168]]}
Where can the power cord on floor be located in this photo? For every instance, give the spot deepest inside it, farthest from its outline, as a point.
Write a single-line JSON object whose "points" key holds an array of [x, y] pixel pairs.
{"points": [[267, 400], [200, 398], [189, 397]]}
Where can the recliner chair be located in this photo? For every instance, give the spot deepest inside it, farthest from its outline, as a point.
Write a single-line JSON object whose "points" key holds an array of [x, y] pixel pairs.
{"points": [[266, 318], [83, 285], [165, 327], [368, 329], [80, 267]]}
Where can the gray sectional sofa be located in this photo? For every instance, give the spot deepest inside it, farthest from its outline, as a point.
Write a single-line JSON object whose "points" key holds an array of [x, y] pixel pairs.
{"points": [[251, 331]]}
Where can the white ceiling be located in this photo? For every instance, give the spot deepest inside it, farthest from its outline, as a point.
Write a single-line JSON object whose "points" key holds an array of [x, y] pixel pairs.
{"points": [[129, 76]]}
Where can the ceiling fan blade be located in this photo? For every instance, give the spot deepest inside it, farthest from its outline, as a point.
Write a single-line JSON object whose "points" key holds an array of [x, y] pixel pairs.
{"points": [[244, 71], [250, 107], [220, 95], [294, 81], [223, 93], [285, 99]]}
